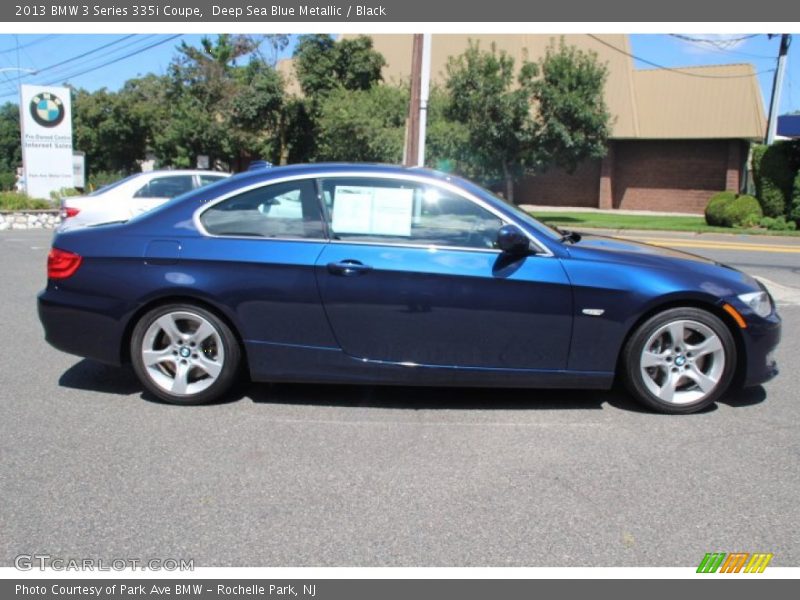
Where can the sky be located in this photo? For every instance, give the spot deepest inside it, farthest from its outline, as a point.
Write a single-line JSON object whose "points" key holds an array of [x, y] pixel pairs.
{"points": [[107, 61]]}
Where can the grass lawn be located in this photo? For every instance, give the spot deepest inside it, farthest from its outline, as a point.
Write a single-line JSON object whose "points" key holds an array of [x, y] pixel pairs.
{"points": [[578, 220]]}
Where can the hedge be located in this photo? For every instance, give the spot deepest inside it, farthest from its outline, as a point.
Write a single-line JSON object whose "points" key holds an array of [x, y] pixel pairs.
{"points": [[726, 209], [774, 169], [17, 201]]}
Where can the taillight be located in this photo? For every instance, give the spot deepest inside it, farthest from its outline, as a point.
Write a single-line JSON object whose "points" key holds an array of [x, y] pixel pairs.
{"points": [[69, 211], [62, 264]]}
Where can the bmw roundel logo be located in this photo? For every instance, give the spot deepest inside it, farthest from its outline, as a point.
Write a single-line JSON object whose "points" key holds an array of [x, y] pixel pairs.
{"points": [[47, 109]]}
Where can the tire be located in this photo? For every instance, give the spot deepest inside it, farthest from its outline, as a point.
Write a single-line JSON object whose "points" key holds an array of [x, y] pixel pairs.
{"points": [[185, 354], [679, 361]]}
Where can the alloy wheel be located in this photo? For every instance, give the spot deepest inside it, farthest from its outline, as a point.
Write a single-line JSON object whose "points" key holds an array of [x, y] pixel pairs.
{"points": [[682, 362]]}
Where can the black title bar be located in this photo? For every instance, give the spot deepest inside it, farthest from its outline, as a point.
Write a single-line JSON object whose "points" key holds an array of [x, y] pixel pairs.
{"points": [[515, 11]]}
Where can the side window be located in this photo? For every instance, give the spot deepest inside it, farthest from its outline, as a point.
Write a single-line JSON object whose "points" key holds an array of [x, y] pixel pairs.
{"points": [[166, 187], [206, 179], [281, 210], [397, 211]]}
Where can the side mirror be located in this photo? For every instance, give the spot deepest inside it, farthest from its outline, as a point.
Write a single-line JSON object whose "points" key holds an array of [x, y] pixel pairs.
{"points": [[511, 240]]}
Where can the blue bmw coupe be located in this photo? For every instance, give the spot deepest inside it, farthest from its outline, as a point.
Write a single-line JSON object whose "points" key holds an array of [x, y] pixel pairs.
{"points": [[352, 273]]}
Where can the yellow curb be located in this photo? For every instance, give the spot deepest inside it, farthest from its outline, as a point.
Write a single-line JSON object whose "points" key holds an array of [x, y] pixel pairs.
{"points": [[680, 243]]}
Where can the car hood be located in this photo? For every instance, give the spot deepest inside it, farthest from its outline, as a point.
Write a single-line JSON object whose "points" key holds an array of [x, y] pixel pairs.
{"points": [[705, 272], [629, 250]]}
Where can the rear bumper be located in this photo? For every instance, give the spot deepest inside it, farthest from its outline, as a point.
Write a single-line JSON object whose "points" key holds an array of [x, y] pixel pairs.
{"points": [[761, 338], [72, 328]]}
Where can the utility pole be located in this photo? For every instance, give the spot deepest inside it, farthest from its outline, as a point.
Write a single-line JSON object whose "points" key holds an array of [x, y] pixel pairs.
{"points": [[425, 88], [418, 106], [412, 130], [777, 85]]}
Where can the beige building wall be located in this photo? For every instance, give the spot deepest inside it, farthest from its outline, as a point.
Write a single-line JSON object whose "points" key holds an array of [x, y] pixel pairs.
{"points": [[396, 48]]}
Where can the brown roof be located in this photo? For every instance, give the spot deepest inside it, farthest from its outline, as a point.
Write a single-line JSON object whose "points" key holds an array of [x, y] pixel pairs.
{"points": [[713, 102], [650, 104]]}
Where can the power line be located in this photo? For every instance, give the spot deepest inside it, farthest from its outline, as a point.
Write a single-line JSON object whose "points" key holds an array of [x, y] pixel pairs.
{"points": [[717, 45], [65, 73], [28, 45], [89, 52], [107, 63], [82, 55], [719, 42], [672, 69], [74, 59], [62, 70], [119, 58]]}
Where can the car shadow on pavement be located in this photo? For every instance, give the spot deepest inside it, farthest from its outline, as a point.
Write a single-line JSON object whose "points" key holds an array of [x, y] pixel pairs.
{"points": [[745, 397], [98, 377], [93, 376], [427, 398]]}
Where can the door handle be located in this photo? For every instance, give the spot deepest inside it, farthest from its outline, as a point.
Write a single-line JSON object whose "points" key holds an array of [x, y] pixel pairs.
{"points": [[348, 268]]}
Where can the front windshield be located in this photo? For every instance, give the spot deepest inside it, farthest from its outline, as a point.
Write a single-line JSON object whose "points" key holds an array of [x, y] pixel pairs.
{"points": [[111, 186]]}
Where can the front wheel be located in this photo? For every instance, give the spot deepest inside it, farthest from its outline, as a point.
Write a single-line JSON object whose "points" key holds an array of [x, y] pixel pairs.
{"points": [[679, 361], [185, 354]]}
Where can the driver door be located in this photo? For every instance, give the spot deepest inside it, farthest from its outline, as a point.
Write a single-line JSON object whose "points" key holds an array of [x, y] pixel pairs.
{"points": [[412, 276]]}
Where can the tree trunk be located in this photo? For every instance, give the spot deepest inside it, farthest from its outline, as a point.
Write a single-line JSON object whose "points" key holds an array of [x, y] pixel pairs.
{"points": [[509, 184], [283, 153]]}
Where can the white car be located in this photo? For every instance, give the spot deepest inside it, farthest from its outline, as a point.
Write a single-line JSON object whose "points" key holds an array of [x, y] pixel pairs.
{"points": [[131, 196]]}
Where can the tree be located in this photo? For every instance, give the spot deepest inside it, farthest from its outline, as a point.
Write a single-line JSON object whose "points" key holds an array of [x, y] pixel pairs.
{"points": [[10, 145], [497, 115], [256, 111], [363, 125], [204, 83], [326, 67], [573, 122], [446, 141], [323, 64], [108, 130], [551, 113]]}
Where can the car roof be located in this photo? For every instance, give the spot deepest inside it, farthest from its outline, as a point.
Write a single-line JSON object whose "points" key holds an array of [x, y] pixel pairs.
{"points": [[184, 172], [321, 169]]}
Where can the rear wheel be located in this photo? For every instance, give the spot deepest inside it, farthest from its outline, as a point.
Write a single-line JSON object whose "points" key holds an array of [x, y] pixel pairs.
{"points": [[185, 354], [679, 361]]}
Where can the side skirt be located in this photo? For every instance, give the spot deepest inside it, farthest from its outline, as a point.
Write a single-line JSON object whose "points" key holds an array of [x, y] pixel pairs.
{"points": [[307, 364]]}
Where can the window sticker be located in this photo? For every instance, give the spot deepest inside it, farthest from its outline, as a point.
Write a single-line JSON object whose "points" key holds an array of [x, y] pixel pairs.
{"points": [[372, 210]]}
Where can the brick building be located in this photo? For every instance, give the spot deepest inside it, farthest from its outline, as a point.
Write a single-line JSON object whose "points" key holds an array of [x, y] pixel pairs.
{"points": [[676, 137]]}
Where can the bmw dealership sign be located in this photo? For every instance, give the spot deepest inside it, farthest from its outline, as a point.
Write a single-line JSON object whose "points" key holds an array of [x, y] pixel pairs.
{"points": [[46, 121]]}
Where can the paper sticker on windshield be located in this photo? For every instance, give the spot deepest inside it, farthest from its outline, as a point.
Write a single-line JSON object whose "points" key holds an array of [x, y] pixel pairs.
{"points": [[372, 210]]}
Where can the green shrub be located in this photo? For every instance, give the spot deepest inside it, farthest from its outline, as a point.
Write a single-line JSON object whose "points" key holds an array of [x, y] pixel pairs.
{"points": [[716, 206], [777, 224], [774, 170], [726, 209], [64, 193], [100, 178], [17, 201], [794, 209], [7, 181]]}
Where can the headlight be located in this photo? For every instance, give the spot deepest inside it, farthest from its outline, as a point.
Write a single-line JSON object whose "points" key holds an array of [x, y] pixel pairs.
{"points": [[758, 302]]}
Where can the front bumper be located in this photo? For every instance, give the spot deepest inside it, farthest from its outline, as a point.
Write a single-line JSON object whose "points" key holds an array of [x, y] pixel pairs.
{"points": [[761, 337]]}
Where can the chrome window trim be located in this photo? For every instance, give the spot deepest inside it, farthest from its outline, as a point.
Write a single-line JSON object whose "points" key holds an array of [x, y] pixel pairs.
{"points": [[541, 250]]}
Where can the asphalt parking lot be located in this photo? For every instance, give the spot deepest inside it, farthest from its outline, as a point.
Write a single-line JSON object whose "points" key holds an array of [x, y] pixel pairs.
{"points": [[299, 475]]}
